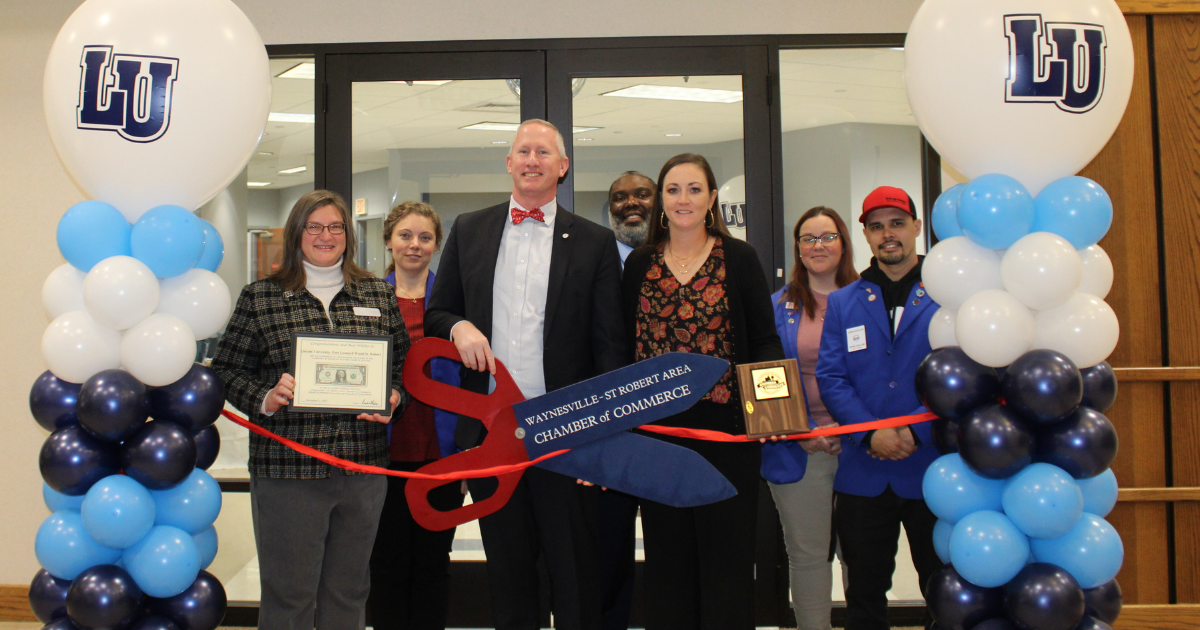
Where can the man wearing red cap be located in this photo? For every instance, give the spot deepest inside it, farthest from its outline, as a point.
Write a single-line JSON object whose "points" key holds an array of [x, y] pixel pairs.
{"points": [[876, 332]]}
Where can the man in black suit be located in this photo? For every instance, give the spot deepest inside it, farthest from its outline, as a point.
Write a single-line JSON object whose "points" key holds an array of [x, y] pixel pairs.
{"points": [[532, 285]]}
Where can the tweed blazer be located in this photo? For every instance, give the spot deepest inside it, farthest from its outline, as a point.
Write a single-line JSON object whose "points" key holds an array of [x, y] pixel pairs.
{"points": [[256, 350]]}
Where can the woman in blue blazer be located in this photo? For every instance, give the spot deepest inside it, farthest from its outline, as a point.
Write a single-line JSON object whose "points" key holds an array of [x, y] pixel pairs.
{"points": [[800, 472]]}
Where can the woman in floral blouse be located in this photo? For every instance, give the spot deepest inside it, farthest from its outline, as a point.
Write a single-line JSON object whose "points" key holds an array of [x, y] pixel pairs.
{"points": [[694, 288]]}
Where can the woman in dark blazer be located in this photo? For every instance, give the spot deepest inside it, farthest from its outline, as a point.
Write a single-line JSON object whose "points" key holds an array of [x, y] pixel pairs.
{"points": [[694, 288]]}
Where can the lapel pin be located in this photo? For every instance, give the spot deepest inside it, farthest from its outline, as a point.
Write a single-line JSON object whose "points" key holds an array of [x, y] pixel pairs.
{"points": [[920, 293], [871, 298], [916, 302], [565, 235]]}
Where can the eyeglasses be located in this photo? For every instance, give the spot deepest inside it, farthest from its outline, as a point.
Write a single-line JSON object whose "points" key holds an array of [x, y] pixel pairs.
{"points": [[809, 242], [316, 228]]}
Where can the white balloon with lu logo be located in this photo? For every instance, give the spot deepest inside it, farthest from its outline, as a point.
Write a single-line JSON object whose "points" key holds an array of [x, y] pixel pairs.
{"points": [[151, 103], [1026, 88]]}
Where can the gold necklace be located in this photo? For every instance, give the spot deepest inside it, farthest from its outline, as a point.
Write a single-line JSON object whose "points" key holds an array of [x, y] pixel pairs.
{"points": [[401, 293], [684, 265]]}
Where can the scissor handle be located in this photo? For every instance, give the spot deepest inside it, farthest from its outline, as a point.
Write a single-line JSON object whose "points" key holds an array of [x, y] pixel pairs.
{"points": [[451, 398]]}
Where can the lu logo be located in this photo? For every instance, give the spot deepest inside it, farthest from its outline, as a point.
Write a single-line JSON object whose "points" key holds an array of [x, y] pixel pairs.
{"points": [[128, 94], [734, 214], [1054, 62]]}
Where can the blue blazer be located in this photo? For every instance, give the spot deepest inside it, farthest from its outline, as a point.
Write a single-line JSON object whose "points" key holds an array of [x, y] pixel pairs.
{"points": [[443, 371], [874, 383], [785, 462]]}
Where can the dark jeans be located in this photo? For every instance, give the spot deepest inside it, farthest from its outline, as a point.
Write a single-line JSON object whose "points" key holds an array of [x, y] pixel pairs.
{"points": [[410, 565], [868, 530]]}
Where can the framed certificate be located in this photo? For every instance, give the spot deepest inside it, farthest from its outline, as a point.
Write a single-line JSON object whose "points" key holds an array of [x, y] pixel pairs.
{"points": [[338, 373], [772, 401]]}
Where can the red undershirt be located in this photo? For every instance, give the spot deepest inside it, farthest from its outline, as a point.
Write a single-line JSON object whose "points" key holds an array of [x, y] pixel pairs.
{"points": [[414, 437]]}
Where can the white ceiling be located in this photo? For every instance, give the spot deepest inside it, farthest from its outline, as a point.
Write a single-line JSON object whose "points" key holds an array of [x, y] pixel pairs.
{"points": [[818, 87]]}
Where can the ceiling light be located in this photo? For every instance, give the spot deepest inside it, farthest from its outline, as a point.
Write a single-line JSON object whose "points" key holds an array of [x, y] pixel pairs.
{"points": [[257, 184], [895, 48], [670, 93], [265, 153], [585, 139], [422, 82], [304, 70], [292, 118], [499, 141], [575, 130], [292, 171], [673, 135], [501, 126]]}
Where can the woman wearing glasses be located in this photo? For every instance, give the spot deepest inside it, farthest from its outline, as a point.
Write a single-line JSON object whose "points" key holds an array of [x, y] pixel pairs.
{"points": [[800, 472], [313, 524]]}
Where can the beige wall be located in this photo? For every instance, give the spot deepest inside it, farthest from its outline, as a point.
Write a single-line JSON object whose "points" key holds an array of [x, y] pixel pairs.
{"points": [[40, 190]]}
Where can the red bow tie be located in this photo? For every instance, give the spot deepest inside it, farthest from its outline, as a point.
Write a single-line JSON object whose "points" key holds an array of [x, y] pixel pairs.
{"points": [[519, 215]]}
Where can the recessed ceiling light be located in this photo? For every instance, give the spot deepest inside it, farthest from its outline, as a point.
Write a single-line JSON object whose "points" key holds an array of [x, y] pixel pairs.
{"points": [[671, 93], [265, 153], [292, 118], [575, 130], [501, 126], [303, 70], [673, 135], [422, 82], [499, 141], [585, 139], [292, 171], [257, 184], [897, 48]]}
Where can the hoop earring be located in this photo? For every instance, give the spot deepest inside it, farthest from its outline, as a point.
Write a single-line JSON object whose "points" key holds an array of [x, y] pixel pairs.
{"points": [[662, 220], [713, 221]]}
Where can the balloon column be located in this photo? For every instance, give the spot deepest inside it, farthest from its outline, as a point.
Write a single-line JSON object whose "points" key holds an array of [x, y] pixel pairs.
{"points": [[152, 112], [1019, 96]]}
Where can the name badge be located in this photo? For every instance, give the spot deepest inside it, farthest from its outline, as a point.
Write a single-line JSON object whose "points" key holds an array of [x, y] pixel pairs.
{"points": [[856, 338], [366, 311]]}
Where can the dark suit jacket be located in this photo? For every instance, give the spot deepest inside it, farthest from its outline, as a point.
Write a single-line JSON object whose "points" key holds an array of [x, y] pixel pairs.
{"points": [[584, 335]]}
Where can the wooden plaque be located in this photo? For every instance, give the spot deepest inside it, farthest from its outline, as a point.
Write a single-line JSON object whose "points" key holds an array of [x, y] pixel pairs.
{"points": [[772, 398]]}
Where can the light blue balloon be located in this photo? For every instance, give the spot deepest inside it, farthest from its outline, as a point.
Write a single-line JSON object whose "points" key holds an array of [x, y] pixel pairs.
{"points": [[952, 490], [987, 549], [192, 506], [91, 231], [1092, 551], [1099, 493], [945, 213], [206, 544], [169, 239], [64, 548], [165, 562], [1075, 208], [214, 248], [1042, 500], [941, 539], [56, 500], [995, 211], [117, 511]]}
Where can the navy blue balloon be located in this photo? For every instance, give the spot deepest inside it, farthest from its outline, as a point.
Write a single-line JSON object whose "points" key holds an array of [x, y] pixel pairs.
{"points": [[1083, 444], [995, 623], [194, 401], [952, 385], [104, 596], [1099, 386], [1043, 386], [153, 622], [208, 445], [1091, 623], [957, 604], [48, 596], [52, 401], [1044, 597], [1104, 602], [73, 459], [112, 405], [62, 623], [200, 606], [995, 442], [945, 435], [160, 455]]}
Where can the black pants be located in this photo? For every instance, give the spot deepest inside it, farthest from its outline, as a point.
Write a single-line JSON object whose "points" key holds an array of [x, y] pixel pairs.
{"points": [[617, 546], [410, 565], [868, 530]]}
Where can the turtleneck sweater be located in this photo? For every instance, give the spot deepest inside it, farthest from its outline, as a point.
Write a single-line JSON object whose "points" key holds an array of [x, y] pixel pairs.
{"points": [[324, 282]]}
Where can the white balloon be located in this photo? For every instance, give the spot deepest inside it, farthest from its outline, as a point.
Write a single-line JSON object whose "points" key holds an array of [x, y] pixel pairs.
{"points": [[200, 298], [151, 104], [1097, 272], [994, 328], [120, 291], [971, 69], [159, 350], [75, 347], [941, 329], [62, 292], [1084, 328], [958, 268], [1042, 270]]}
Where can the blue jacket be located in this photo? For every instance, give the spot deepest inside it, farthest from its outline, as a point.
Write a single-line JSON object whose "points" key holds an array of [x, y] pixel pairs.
{"points": [[874, 383], [443, 371], [785, 462]]}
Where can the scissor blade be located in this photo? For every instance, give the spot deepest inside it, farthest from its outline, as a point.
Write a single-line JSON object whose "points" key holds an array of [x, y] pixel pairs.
{"points": [[612, 403], [646, 468]]}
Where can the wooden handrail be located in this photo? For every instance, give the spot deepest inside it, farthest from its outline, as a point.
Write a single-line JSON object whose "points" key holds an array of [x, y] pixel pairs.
{"points": [[1136, 374], [1159, 6], [1140, 495]]}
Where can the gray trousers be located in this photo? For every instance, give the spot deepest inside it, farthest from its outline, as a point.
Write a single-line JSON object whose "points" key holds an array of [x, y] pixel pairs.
{"points": [[806, 512], [314, 539]]}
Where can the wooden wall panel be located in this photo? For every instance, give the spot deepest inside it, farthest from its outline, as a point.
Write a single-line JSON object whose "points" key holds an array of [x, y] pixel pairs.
{"points": [[1125, 168], [14, 604], [1177, 68]]}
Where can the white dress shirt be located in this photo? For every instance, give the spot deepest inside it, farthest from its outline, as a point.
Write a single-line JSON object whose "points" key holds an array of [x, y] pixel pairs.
{"points": [[519, 297]]}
